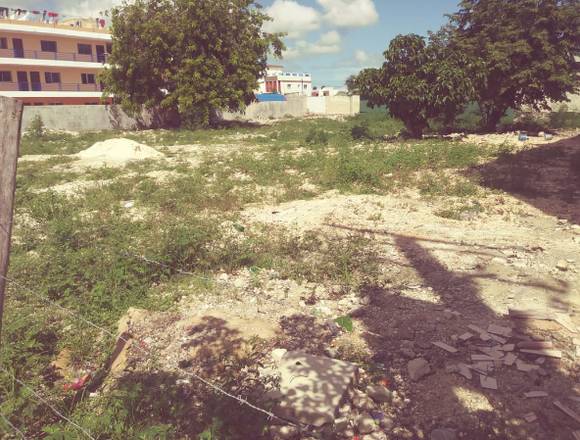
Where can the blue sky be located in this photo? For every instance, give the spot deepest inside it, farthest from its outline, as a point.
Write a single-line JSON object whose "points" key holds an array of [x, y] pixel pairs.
{"points": [[334, 38], [330, 39]]}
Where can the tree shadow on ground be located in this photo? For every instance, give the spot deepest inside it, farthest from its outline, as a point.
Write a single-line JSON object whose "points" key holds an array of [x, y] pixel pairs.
{"points": [[394, 319], [546, 176], [220, 355]]}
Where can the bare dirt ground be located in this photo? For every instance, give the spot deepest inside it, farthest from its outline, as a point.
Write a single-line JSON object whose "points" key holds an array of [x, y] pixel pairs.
{"points": [[436, 277]]}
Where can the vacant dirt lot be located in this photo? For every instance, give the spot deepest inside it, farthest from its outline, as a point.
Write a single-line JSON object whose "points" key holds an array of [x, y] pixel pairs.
{"points": [[409, 262]]}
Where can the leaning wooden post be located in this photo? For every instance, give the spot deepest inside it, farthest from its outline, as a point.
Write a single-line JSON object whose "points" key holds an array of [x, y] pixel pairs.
{"points": [[10, 121]]}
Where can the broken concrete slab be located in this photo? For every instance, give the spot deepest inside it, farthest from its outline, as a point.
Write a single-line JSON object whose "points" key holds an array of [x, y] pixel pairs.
{"points": [[510, 359], [530, 417], [535, 345], [507, 347], [488, 382], [566, 322], [465, 371], [556, 354], [499, 330], [482, 357], [568, 411], [313, 387], [418, 368], [466, 336], [445, 347], [525, 367], [535, 394]]}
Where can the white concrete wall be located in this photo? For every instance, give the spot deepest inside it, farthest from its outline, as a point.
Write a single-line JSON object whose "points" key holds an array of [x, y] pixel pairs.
{"points": [[316, 105], [294, 106], [82, 118], [334, 105]]}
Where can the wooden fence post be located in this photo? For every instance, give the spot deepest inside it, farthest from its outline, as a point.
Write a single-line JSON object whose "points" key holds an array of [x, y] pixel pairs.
{"points": [[10, 121]]}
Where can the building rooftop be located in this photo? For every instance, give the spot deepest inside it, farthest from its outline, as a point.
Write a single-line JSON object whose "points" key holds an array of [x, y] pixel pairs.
{"points": [[54, 20]]}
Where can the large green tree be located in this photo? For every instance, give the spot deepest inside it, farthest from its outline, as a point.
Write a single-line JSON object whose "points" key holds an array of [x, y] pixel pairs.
{"points": [[526, 47], [419, 81], [186, 59]]}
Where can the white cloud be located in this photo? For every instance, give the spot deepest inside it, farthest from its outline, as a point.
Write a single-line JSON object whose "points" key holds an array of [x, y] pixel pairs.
{"points": [[293, 18], [329, 42], [365, 59], [350, 13]]}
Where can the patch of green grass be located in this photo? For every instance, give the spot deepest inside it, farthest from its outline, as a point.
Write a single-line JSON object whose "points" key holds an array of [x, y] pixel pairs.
{"points": [[461, 211]]}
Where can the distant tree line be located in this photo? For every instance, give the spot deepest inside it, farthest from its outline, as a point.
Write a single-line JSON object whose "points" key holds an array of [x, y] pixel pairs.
{"points": [[499, 53]]}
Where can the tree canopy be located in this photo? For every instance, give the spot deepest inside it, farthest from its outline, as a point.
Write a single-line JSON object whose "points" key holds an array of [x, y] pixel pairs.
{"points": [[526, 48], [188, 58], [419, 81]]}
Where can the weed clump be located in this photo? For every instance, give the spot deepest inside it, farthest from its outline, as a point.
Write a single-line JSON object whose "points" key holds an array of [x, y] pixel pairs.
{"points": [[316, 137]]}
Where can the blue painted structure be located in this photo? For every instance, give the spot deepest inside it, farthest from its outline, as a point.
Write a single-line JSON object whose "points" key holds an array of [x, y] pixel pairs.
{"points": [[270, 97]]}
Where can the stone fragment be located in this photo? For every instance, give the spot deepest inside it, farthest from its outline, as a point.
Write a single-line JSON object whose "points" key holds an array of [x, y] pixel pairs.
{"points": [[313, 387], [379, 393], [530, 417], [525, 367], [366, 424], [535, 345], [465, 371], [488, 382], [466, 336], [445, 347], [499, 330], [361, 401], [508, 347], [418, 368], [569, 412], [510, 359], [283, 432], [535, 394], [557, 354], [562, 265]]}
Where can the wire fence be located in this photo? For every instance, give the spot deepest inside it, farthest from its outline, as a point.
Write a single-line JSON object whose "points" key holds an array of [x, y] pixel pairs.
{"points": [[18, 432], [77, 316]]}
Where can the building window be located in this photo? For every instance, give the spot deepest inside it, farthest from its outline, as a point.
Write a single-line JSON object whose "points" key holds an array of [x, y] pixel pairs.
{"points": [[88, 78], [52, 77], [85, 49], [48, 46], [3, 43], [5, 76]]}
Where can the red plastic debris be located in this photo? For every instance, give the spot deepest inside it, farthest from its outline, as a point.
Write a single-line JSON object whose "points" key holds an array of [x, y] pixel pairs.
{"points": [[78, 384]]}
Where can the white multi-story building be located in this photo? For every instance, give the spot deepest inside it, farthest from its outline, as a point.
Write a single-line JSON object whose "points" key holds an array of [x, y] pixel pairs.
{"points": [[286, 83]]}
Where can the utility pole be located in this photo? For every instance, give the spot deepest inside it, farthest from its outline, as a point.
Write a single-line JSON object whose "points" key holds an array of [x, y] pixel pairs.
{"points": [[10, 122]]}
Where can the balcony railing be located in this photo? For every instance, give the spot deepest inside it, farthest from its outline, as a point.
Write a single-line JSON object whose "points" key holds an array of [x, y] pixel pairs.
{"points": [[60, 56], [52, 87]]}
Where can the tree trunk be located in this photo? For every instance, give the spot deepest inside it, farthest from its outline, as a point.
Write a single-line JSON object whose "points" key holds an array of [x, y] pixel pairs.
{"points": [[491, 117]]}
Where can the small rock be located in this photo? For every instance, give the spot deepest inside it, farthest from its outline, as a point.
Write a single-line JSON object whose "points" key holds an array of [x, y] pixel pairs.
{"points": [[366, 424], [418, 368], [379, 393], [278, 354], [562, 265], [341, 425], [361, 401], [280, 432], [408, 353], [443, 434]]}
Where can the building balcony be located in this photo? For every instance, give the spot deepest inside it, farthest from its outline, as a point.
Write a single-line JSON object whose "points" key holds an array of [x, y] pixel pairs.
{"points": [[53, 87], [53, 56]]}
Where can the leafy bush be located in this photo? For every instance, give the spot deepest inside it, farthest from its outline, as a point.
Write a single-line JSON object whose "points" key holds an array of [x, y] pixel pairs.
{"points": [[361, 131], [317, 137], [37, 129]]}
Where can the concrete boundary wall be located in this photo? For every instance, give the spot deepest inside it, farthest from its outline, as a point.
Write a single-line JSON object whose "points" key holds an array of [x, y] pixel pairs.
{"points": [[294, 107], [83, 118]]}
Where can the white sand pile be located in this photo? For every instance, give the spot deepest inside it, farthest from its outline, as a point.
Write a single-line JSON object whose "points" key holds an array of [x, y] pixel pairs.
{"points": [[116, 153]]}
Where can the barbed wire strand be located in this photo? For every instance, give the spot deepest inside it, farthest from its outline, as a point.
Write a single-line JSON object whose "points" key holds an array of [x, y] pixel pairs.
{"points": [[48, 404], [206, 382], [11, 425]]}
